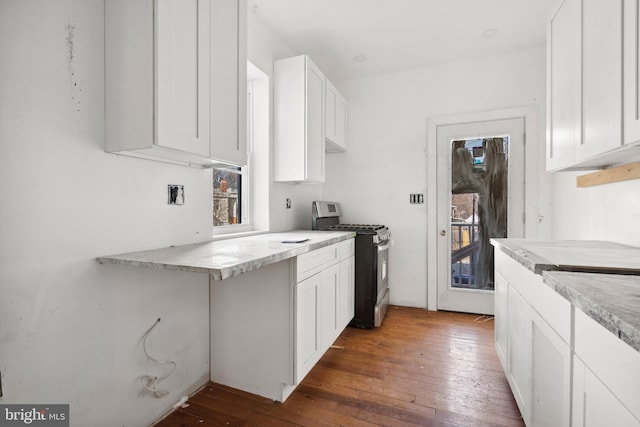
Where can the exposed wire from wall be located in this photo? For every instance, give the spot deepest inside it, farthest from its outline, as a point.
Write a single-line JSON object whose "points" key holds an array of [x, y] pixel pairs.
{"points": [[150, 382]]}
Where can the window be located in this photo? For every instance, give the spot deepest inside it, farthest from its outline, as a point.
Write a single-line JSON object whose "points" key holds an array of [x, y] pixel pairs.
{"points": [[227, 196], [241, 193]]}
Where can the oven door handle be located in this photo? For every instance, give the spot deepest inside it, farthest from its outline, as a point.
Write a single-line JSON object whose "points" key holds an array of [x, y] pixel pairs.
{"points": [[384, 247]]}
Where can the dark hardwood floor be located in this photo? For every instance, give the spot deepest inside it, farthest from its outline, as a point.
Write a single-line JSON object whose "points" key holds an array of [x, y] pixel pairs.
{"points": [[421, 368]]}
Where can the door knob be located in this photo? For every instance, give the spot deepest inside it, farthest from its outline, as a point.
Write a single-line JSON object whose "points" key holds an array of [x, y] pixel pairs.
{"points": [[443, 232]]}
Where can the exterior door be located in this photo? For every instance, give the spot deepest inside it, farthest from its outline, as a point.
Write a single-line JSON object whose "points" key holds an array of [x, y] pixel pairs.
{"points": [[480, 175]]}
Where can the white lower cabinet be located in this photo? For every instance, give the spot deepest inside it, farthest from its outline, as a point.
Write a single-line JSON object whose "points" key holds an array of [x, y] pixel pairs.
{"points": [[345, 298], [594, 405], [315, 318], [550, 375], [270, 326], [606, 390], [324, 304], [501, 321], [592, 384], [535, 355], [307, 349]]}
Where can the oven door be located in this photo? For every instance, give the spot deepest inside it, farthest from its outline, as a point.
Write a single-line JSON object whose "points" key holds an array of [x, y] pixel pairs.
{"points": [[382, 283]]}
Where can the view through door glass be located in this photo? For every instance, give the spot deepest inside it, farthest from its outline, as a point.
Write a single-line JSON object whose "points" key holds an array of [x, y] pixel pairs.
{"points": [[479, 198]]}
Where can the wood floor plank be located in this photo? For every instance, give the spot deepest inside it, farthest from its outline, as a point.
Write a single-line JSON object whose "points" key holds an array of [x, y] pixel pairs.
{"points": [[421, 368]]}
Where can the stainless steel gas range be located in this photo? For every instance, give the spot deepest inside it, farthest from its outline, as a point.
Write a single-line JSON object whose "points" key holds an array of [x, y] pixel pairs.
{"points": [[371, 263]]}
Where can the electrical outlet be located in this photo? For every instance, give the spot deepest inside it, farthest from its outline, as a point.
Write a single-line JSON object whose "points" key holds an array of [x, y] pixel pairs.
{"points": [[175, 194], [288, 203]]}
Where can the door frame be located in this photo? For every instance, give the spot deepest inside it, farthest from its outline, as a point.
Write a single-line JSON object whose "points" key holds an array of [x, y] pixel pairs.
{"points": [[529, 115], [459, 298]]}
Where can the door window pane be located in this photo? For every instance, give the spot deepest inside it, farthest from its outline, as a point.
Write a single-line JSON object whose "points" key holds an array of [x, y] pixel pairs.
{"points": [[479, 177]]}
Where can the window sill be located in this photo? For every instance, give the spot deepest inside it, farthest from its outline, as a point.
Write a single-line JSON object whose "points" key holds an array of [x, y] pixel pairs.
{"points": [[232, 232]]}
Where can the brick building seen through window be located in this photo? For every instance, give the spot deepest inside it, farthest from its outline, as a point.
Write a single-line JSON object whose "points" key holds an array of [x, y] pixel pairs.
{"points": [[227, 196]]}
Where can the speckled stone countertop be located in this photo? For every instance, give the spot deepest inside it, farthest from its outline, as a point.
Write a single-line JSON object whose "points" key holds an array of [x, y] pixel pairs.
{"points": [[579, 270], [227, 258], [591, 256], [613, 300]]}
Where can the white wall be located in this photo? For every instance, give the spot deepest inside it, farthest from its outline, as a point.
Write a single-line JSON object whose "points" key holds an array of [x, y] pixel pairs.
{"points": [[604, 212], [264, 47], [70, 329], [387, 160]]}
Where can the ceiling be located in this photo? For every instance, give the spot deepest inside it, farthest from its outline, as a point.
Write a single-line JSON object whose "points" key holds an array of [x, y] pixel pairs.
{"points": [[355, 38]]}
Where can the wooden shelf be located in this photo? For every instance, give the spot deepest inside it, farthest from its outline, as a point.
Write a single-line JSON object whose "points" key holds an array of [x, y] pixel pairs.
{"points": [[606, 176]]}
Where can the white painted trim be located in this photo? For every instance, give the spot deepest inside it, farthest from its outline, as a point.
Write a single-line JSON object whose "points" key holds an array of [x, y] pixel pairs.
{"points": [[529, 114]]}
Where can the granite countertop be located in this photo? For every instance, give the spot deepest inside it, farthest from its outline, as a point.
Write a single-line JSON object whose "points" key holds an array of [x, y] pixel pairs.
{"points": [[590, 256], [600, 278], [227, 258], [613, 300]]}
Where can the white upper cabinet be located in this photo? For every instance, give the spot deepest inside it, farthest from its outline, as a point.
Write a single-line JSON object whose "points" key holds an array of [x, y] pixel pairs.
{"points": [[229, 81], [601, 78], [335, 119], [563, 92], [593, 119], [175, 74], [299, 90], [182, 74], [631, 72]]}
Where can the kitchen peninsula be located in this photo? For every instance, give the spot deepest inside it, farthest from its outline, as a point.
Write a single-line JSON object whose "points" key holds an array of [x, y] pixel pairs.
{"points": [[277, 302], [567, 330]]}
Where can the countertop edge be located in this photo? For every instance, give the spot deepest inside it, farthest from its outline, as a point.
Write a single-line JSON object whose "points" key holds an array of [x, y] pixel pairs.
{"points": [[227, 271], [605, 318], [525, 258], [621, 329]]}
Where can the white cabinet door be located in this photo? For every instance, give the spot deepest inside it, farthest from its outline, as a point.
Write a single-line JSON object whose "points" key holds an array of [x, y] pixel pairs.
{"points": [[601, 77], [229, 81], [593, 403], [563, 104], [335, 119], [501, 317], [550, 374], [330, 102], [327, 305], [324, 302], [182, 75], [519, 351], [316, 320], [538, 367], [306, 330], [611, 360], [299, 141], [346, 293], [631, 73], [175, 80], [314, 166]]}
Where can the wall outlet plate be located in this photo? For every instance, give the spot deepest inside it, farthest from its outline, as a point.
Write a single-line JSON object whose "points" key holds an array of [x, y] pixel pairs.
{"points": [[175, 194]]}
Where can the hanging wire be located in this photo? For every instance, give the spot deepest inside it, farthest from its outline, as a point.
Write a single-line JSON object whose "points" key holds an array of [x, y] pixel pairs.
{"points": [[150, 382]]}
